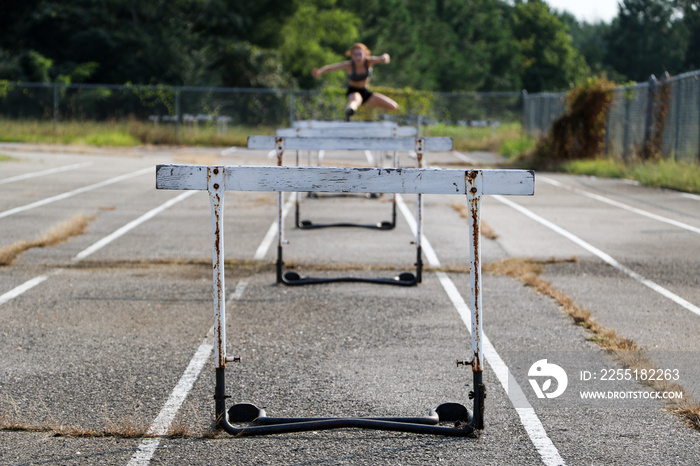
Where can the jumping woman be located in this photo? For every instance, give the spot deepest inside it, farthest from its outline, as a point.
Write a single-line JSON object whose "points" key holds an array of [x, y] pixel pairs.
{"points": [[359, 70]]}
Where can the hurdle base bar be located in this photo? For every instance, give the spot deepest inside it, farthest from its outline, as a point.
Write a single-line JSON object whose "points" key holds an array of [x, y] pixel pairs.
{"points": [[309, 225], [464, 423], [312, 195], [294, 279]]}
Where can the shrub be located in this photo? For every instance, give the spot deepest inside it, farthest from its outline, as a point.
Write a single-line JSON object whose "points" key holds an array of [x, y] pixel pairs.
{"points": [[580, 132]]}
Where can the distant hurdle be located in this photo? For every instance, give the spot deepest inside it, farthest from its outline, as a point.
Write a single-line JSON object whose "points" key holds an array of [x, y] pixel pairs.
{"points": [[419, 145], [320, 124], [474, 184], [344, 130]]}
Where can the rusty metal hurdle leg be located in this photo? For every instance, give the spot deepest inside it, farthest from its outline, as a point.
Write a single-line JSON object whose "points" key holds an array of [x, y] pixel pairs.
{"points": [[475, 184], [465, 425]]}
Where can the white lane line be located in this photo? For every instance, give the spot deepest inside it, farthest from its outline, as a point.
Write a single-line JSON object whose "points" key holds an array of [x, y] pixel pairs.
{"points": [[26, 286], [369, 156], [465, 158], [59, 197], [695, 197], [602, 255], [532, 424], [229, 151], [131, 225], [161, 424], [621, 205], [50, 171], [272, 231]]}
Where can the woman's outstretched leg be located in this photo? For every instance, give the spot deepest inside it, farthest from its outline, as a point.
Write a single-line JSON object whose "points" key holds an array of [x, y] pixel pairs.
{"points": [[382, 101]]}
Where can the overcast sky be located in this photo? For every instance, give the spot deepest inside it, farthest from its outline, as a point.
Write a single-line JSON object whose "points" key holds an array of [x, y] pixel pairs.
{"points": [[587, 10]]}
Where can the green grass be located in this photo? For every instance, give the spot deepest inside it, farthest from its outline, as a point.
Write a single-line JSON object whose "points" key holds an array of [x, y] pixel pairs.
{"points": [[513, 147], [506, 139], [468, 138], [681, 176], [604, 168], [123, 133]]}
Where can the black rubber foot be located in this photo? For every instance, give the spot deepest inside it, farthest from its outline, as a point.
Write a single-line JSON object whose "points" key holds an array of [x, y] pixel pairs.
{"points": [[244, 412], [453, 412]]}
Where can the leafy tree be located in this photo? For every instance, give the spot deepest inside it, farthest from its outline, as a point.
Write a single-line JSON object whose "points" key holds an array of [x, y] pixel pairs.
{"points": [[690, 12], [548, 59], [316, 34], [441, 45], [645, 38], [155, 42]]}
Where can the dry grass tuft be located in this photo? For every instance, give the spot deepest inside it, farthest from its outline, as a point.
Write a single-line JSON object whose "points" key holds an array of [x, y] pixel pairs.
{"points": [[624, 350], [8, 254], [63, 232], [527, 271]]}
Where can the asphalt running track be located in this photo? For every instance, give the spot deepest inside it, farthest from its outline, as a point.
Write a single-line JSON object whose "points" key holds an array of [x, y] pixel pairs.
{"points": [[110, 330]]}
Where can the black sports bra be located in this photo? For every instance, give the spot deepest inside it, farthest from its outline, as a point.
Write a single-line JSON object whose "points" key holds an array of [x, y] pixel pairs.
{"points": [[359, 77]]}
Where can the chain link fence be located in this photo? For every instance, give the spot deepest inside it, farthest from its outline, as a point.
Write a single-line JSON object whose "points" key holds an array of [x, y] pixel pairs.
{"points": [[236, 106], [659, 116]]}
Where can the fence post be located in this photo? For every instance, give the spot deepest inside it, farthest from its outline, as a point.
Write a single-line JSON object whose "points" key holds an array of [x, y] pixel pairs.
{"points": [[524, 111], [626, 129], [177, 113], [291, 108], [697, 90], [677, 142], [55, 105], [649, 121]]}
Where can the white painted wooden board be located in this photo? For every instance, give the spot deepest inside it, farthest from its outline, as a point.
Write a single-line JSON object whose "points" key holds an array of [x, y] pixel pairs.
{"points": [[387, 132], [346, 180], [343, 124], [378, 143]]}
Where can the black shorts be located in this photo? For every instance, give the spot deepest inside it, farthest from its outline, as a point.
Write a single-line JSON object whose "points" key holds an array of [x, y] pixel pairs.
{"points": [[363, 91]]}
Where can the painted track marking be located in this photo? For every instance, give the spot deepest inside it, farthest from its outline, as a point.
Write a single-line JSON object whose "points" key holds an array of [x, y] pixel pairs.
{"points": [[160, 426], [68, 194], [532, 424], [26, 286], [621, 205], [602, 255], [50, 171]]}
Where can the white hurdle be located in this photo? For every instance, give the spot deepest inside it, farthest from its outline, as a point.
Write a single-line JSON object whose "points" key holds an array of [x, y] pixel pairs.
{"points": [[318, 124], [472, 183], [349, 132], [366, 131], [419, 145]]}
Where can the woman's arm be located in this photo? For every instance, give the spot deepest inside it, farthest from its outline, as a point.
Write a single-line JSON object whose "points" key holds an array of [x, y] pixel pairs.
{"points": [[383, 58], [334, 67]]}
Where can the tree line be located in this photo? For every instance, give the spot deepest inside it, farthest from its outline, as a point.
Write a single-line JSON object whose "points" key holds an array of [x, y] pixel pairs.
{"points": [[435, 45]]}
